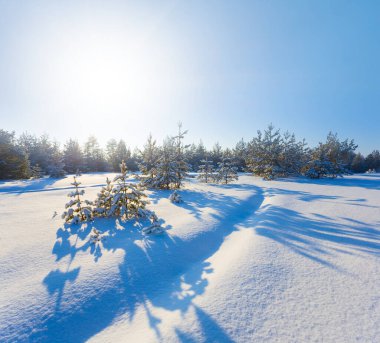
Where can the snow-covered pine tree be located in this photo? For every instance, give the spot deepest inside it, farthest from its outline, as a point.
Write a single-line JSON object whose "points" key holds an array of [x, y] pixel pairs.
{"points": [[264, 152], [320, 166], [226, 171], [194, 155], [72, 156], [93, 154], [240, 153], [293, 156], [181, 165], [217, 153], [111, 155], [206, 170], [77, 209], [165, 176], [127, 199], [358, 164], [149, 157], [331, 159], [36, 172], [103, 202], [56, 166], [372, 161]]}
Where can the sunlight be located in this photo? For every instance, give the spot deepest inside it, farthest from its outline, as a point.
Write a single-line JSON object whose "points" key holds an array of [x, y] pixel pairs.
{"points": [[105, 72], [125, 76]]}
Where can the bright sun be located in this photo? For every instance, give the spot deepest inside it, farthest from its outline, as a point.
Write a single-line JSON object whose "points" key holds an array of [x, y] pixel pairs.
{"points": [[106, 71]]}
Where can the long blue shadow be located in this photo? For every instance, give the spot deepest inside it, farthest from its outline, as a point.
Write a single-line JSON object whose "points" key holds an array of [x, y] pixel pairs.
{"points": [[318, 236], [369, 182], [153, 274]]}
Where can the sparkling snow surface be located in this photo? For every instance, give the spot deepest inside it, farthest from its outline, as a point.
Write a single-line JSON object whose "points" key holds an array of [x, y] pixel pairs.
{"points": [[292, 260]]}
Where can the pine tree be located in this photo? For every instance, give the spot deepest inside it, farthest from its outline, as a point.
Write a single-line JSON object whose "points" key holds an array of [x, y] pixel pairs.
{"points": [[206, 171], [264, 153], [14, 163], [73, 156], [122, 152], [93, 156], [359, 164], [36, 172], [320, 166], [77, 210], [217, 153], [330, 159], [293, 156], [373, 160], [111, 155], [191, 157], [240, 154], [181, 166], [56, 167], [165, 176], [226, 171], [127, 200], [39, 150], [103, 202], [149, 157]]}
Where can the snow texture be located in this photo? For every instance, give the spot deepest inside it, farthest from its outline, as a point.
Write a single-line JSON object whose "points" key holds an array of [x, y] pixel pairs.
{"points": [[292, 260]]}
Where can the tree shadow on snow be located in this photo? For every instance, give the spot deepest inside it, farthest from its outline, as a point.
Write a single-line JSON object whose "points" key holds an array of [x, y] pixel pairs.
{"points": [[198, 201], [309, 197], [161, 271], [211, 332], [368, 182], [26, 186], [319, 236]]}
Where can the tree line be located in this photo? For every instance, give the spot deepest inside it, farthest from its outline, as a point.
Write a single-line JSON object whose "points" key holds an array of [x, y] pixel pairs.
{"points": [[270, 154]]}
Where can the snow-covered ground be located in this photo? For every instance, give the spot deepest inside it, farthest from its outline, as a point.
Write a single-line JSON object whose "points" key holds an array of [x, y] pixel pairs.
{"points": [[283, 261]]}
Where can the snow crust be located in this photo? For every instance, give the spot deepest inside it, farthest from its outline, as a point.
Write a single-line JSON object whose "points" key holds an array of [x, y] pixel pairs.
{"points": [[291, 260]]}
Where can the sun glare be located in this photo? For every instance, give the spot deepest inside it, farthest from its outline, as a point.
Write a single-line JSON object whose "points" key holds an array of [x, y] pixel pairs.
{"points": [[107, 74], [118, 74]]}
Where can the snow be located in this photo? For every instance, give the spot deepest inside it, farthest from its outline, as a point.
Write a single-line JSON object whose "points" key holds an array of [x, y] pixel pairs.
{"points": [[280, 261]]}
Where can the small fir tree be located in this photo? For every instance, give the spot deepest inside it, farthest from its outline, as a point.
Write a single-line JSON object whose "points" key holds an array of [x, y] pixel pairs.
{"points": [[181, 167], [103, 201], [226, 171], [149, 157], [127, 200], [206, 170], [165, 176], [77, 210]]}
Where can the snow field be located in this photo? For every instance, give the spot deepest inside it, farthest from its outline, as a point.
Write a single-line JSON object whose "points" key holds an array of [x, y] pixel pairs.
{"points": [[282, 261]]}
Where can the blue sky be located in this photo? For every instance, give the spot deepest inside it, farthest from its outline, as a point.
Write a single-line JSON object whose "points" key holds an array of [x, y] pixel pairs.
{"points": [[224, 68]]}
